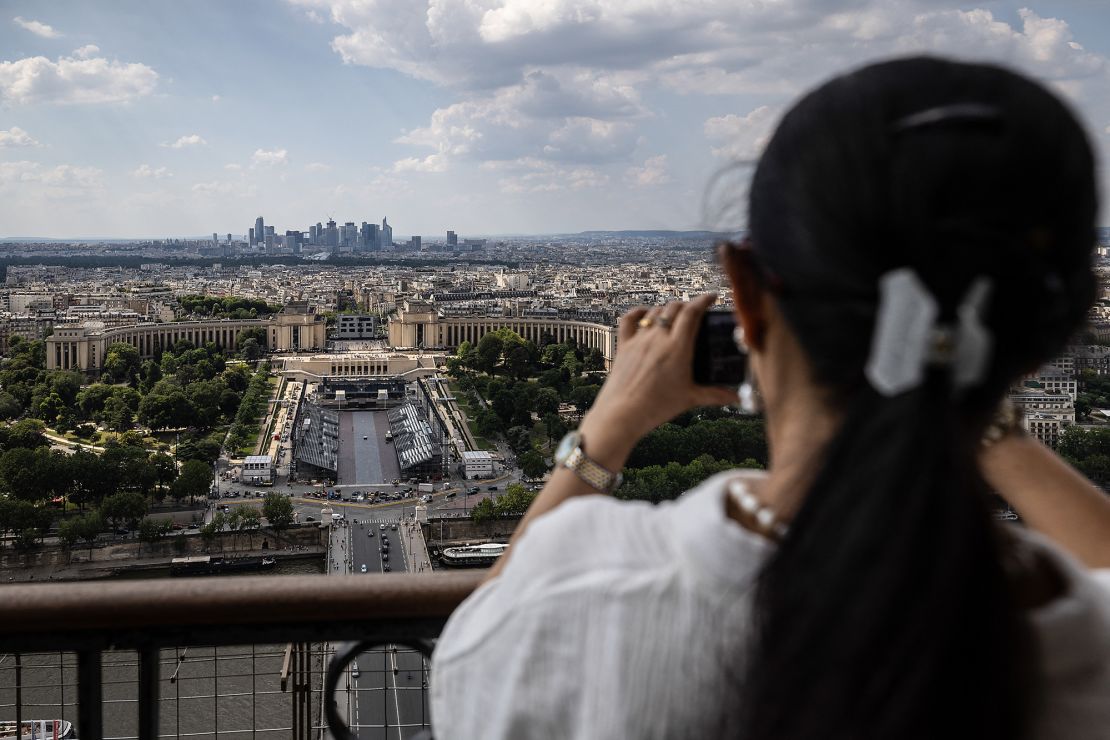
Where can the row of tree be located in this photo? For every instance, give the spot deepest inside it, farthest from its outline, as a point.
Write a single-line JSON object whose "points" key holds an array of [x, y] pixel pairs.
{"points": [[226, 307], [513, 502]]}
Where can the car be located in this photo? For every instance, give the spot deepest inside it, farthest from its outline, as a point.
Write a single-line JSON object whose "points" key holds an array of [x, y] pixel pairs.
{"points": [[123, 530], [491, 488], [385, 556], [354, 666], [369, 533], [310, 518], [381, 527], [394, 527], [473, 489], [364, 567], [365, 437], [337, 517], [450, 495]]}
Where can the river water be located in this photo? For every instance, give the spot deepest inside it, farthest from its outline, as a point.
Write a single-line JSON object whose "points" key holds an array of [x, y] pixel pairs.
{"points": [[226, 692]]}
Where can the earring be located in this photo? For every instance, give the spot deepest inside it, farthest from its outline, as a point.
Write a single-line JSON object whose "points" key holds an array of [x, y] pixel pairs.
{"points": [[750, 402]]}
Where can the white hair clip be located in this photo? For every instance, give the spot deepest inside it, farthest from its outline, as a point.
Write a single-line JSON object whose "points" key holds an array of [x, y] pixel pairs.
{"points": [[907, 338]]}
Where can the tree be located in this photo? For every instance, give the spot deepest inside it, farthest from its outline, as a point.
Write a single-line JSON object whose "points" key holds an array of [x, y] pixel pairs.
{"points": [[91, 400], [117, 415], [27, 433], [122, 362], [23, 474], [487, 423], [193, 482], [594, 360], [489, 351], [482, 511], [153, 530], [583, 397], [278, 511], [519, 438], [165, 410], [515, 501], [554, 426], [216, 525], [546, 401], [533, 465], [9, 406], [122, 509], [251, 350]]}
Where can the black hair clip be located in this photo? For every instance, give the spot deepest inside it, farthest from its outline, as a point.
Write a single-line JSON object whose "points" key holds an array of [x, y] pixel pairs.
{"points": [[976, 113]]}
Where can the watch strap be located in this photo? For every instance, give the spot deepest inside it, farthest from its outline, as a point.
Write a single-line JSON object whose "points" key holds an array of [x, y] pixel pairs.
{"points": [[593, 474]]}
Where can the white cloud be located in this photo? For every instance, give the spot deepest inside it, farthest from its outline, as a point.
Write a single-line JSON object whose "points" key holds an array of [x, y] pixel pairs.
{"points": [[430, 163], [741, 138], [218, 188], [215, 98], [87, 51], [15, 136], [31, 180], [189, 140], [232, 167], [145, 171], [317, 167], [653, 172], [72, 80], [269, 157], [37, 28]]}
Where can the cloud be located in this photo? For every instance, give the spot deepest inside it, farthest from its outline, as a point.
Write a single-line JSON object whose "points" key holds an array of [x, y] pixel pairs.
{"points": [[317, 167], [232, 167], [39, 29], [87, 51], [15, 136], [653, 172], [73, 80], [741, 138], [215, 98], [31, 180], [269, 157], [145, 171], [183, 142], [217, 188]]}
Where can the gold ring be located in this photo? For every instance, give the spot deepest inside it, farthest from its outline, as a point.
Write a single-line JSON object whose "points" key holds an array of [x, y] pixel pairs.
{"points": [[645, 322]]}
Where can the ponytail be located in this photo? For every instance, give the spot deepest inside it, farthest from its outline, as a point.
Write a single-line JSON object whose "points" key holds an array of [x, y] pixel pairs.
{"points": [[885, 612]]}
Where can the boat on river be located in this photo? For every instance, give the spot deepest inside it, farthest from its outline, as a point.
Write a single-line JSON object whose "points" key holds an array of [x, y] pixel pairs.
{"points": [[207, 565], [37, 729], [472, 556]]}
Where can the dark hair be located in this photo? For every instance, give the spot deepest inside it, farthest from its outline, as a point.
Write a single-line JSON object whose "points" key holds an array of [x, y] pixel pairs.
{"points": [[885, 612]]}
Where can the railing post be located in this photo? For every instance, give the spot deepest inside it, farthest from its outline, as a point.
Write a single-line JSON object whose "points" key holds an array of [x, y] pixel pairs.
{"points": [[90, 695], [19, 693], [149, 693]]}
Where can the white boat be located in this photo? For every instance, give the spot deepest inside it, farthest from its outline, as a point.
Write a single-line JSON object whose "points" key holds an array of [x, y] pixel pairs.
{"points": [[37, 729], [472, 556]]}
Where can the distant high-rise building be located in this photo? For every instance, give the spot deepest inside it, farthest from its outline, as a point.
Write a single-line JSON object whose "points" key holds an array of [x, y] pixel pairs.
{"points": [[293, 241], [415, 243], [452, 239], [312, 234], [332, 238], [229, 239], [387, 234], [215, 239], [259, 229], [250, 237], [350, 234], [373, 237]]}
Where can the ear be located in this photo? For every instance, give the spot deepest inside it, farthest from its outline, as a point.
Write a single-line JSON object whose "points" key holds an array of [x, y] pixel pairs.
{"points": [[749, 295]]}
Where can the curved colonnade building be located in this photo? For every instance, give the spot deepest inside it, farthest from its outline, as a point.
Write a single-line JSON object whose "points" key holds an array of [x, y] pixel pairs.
{"points": [[296, 328], [419, 325]]}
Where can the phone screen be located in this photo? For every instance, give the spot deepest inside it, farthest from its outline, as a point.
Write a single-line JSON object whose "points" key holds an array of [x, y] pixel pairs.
{"points": [[717, 359]]}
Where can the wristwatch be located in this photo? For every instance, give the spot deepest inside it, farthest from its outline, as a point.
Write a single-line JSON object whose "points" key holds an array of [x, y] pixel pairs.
{"points": [[570, 455]]}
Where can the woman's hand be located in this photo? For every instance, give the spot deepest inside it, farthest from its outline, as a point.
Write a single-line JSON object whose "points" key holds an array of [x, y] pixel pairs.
{"points": [[651, 380]]}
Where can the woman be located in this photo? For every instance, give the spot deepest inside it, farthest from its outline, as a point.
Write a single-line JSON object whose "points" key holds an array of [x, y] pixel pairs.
{"points": [[920, 237]]}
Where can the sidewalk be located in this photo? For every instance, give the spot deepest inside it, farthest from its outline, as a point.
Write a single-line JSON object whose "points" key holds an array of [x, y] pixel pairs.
{"points": [[419, 559]]}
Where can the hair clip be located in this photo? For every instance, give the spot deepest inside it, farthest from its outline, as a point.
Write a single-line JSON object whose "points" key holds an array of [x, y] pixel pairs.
{"points": [[952, 113]]}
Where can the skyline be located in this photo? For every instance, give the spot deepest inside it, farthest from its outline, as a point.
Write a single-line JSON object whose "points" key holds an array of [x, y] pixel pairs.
{"points": [[498, 118]]}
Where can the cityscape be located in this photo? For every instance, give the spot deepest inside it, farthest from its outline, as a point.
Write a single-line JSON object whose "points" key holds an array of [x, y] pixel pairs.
{"points": [[293, 322]]}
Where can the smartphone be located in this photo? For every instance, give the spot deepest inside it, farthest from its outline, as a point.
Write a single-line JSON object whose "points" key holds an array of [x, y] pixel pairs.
{"points": [[717, 359]]}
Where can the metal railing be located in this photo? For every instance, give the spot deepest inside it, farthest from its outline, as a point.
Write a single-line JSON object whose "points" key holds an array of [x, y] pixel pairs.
{"points": [[204, 642]]}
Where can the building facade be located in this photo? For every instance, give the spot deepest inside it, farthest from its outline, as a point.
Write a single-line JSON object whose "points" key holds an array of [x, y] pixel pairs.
{"points": [[422, 325], [297, 327]]}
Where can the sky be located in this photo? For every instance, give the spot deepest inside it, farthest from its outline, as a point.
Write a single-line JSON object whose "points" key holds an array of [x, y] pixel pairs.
{"points": [[155, 118]]}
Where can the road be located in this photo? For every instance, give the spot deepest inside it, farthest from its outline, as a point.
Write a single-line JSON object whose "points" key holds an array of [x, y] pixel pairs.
{"points": [[365, 457], [388, 698]]}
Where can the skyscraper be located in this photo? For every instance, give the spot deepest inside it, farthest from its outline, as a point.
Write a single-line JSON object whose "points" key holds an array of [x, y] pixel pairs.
{"points": [[332, 236], [259, 230], [250, 237], [452, 239], [312, 234], [387, 234]]}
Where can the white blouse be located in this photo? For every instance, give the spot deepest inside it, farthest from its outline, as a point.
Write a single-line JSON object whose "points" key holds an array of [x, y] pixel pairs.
{"points": [[620, 619]]}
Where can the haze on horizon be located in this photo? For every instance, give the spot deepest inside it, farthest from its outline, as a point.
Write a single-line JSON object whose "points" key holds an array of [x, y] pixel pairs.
{"points": [[133, 119]]}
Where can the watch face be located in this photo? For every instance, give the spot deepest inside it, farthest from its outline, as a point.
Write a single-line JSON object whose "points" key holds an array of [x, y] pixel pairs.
{"points": [[566, 446]]}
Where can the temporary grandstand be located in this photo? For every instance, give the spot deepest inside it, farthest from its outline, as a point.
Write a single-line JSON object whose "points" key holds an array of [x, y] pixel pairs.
{"points": [[417, 443], [316, 441]]}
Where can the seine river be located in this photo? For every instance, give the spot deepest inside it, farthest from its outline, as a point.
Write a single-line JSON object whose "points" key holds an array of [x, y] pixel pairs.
{"points": [[227, 692]]}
